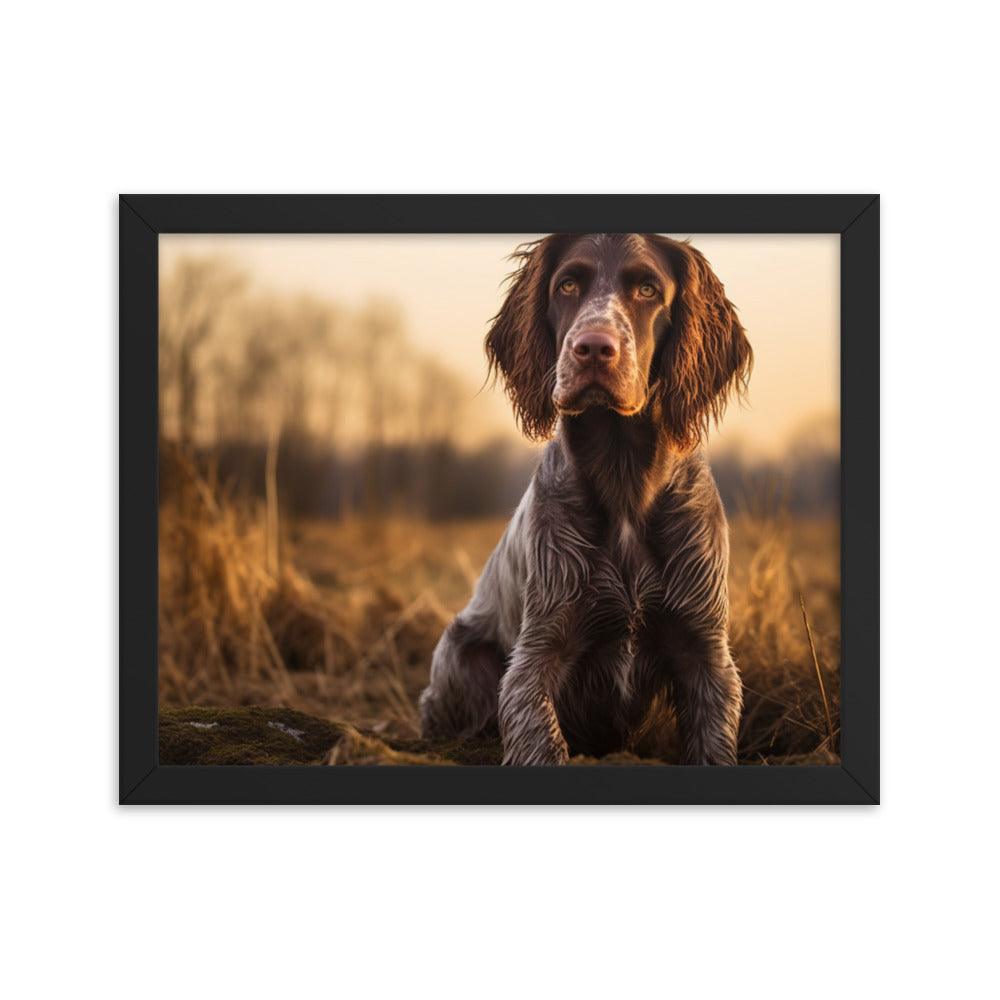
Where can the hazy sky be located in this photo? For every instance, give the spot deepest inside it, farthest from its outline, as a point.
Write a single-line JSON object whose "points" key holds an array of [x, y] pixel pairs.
{"points": [[785, 287]]}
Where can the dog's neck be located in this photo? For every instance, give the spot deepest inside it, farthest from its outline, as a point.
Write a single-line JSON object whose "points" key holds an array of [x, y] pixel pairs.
{"points": [[624, 462]]}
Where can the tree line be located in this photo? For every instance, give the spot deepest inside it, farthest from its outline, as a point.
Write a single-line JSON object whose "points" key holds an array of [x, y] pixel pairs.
{"points": [[326, 411]]}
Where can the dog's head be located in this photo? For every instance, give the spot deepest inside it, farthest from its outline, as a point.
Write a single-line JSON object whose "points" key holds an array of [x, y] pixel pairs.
{"points": [[630, 322]]}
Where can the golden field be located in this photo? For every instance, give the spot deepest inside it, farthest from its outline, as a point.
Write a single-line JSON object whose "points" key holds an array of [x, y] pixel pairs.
{"points": [[338, 619]]}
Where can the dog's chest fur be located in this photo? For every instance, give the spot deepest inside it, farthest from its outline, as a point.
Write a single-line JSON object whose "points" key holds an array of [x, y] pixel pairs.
{"points": [[626, 581], [618, 606]]}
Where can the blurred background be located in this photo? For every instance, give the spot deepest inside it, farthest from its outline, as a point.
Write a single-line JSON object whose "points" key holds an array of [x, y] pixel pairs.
{"points": [[334, 473]]}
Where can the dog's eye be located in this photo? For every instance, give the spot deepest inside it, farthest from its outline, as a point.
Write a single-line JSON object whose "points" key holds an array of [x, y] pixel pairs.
{"points": [[647, 290], [568, 286]]}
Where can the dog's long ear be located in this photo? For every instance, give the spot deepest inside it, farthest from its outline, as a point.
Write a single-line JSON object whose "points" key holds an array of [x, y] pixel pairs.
{"points": [[520, 346], [706, 356]]}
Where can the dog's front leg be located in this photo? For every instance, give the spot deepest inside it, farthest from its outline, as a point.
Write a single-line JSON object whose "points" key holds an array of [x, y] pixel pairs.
{"points": [[708, 698], [528, 723]]}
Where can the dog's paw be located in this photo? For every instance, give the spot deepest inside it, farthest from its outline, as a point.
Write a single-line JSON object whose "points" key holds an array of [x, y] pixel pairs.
{"points": [[544, 754]]}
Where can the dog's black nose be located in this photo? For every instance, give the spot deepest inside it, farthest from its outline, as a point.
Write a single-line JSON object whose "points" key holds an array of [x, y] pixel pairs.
{"points": [[597, 347]]}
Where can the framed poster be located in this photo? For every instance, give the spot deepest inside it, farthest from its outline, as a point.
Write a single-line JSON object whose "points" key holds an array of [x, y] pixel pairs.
{"points": [[514, 499]]}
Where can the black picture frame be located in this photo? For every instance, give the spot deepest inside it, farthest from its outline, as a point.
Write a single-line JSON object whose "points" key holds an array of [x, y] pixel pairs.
{"points": [[142, 218]]}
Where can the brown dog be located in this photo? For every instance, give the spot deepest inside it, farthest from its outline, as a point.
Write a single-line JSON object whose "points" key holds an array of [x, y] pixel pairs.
{"points": [[606, 597]]}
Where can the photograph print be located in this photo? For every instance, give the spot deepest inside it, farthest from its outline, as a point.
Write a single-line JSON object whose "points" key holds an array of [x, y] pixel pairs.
{"points": [[535, 499]]}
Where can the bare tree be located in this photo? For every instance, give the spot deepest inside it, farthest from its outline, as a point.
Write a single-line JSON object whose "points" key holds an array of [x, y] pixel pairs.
{"points": [[381, 335], [191, 305]]}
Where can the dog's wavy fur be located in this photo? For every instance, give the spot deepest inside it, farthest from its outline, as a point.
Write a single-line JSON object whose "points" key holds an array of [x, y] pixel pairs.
{"points": [[605, 600]]}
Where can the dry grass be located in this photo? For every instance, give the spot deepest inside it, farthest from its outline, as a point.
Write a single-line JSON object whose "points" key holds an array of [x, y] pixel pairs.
{"points": [[345, 629], [784, 574]]}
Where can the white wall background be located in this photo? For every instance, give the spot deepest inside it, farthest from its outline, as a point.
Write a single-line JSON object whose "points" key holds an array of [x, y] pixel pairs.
{"points": [[765, 902]]}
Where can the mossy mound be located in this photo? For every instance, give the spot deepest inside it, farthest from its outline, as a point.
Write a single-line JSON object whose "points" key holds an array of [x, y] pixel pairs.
{"points": [[244, 736]]}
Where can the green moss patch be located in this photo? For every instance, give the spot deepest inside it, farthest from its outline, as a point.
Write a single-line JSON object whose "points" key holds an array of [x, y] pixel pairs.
{"points": [[244, 736]]}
